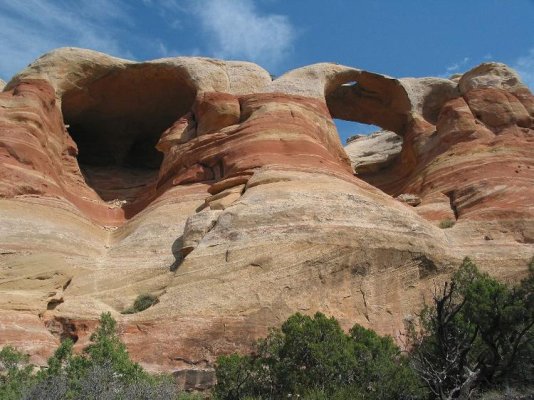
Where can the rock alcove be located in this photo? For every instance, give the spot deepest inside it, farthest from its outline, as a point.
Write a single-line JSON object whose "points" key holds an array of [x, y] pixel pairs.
{"points": [[116, 121]]}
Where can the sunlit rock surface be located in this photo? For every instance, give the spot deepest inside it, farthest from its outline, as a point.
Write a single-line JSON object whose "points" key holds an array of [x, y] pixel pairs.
{"points": [[371, 153], [230, 197]]}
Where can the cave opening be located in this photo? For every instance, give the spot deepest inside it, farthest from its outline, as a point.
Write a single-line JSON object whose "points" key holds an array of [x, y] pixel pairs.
{"points": [[116, 121]]}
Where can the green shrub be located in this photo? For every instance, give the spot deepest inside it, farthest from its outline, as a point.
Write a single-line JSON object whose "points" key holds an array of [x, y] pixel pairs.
{"points": [[477, 335], [15, 373], [104, 370], [312, 357], [141, 303], [446, 223]]}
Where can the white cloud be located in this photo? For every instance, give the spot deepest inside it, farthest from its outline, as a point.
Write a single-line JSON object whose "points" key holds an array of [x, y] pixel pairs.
{"points": [[163, 51], [30, 28], [168, 9], [234, 29], [237, 30], [455, 67], [525, 67]]}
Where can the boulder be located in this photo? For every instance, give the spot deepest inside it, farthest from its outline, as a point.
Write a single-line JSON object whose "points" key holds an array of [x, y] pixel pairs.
{"points": [[410, 199], [490, 75], [373, 152]]}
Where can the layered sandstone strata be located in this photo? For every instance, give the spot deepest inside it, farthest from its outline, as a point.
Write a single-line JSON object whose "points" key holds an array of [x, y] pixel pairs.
{"points": [[229, 196]]}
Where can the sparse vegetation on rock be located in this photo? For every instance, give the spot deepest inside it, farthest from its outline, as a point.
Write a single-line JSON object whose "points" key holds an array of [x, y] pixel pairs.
{"points": [[15, 373], [113, 171], [476, 338], [476, 335], [104, 370], [446, 223], [141, 303]]}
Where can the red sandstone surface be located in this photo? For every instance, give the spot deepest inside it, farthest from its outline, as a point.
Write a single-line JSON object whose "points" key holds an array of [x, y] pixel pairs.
{"points": [[230, 197]]}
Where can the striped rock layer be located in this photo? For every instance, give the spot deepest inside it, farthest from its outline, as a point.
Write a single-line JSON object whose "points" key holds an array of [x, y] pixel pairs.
{"points": [[229, 196]]}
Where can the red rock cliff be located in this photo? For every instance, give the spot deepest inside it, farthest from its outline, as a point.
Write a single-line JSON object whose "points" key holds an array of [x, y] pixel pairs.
{"points": [[229, 196]]}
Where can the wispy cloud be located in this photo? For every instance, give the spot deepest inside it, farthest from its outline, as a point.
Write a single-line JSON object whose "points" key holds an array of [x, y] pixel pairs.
{"points": [[163, 51], [238, 30], [169, 10], [525, 67], [456, 67], [232, 29], [30, 28]]}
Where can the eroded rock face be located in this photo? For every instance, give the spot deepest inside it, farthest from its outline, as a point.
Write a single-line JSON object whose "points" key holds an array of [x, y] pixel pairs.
{"points": [[490, 75], [230, 197], [373, 152], [479, 154]]}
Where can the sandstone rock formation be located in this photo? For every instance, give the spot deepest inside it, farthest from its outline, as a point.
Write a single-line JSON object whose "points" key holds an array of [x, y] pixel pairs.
{"points": [[371, 153], [229, 196]]}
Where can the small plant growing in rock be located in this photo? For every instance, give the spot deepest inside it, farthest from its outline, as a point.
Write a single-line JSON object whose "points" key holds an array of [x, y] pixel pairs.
{"points": [[141, 303], [446, 223]]}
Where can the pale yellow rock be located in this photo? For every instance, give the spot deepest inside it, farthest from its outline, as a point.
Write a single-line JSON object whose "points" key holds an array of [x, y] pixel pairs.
{"points": [[196, 227], [373, 152], [69, 67], [222, 203], [492, 74], [427, 95], [225, 198], [410, 199]]}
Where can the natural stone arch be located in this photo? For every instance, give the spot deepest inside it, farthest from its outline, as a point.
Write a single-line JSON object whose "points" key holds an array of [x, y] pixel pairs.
{"points": [[369, 98]]}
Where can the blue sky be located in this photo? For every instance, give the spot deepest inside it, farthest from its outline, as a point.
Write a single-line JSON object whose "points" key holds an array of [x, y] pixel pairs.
{"points": [[393, 37]]}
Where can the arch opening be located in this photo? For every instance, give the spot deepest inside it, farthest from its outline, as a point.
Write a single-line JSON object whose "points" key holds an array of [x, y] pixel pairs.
{"points": [[116, 121], [349, 130], [371, 99], [370, 115]]}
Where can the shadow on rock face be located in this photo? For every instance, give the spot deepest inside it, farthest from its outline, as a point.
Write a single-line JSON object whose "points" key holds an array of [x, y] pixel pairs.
{"points": [[177, 253]]}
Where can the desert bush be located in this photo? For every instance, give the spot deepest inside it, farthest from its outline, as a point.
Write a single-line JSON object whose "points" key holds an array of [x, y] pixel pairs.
{"points": [[507, 393], [311, 357], [477, 335], [102, 371], [475, 338], [16, 374], [51, 388], [141, 303], [446, 223]]}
